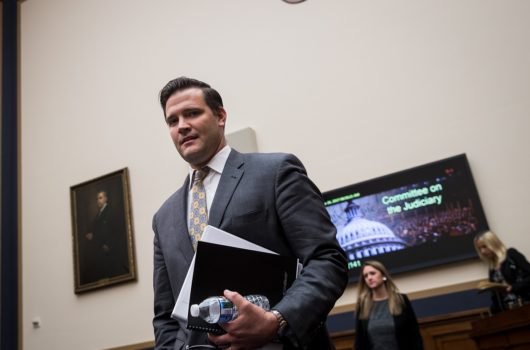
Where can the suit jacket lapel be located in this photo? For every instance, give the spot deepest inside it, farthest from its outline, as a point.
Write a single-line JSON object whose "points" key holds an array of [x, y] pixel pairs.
{"points": [[232, 173], [180, 235]]}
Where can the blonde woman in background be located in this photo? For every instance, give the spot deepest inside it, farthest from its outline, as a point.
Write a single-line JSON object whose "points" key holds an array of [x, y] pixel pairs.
{"points": [[507, 266], [384, 317]]}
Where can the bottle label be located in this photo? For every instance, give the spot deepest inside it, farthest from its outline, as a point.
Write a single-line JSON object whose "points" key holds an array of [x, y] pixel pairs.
{"points": [[227, 311]]}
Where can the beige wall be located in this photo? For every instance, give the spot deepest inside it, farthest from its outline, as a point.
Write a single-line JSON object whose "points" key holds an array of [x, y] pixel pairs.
{"points": [[356, 89]]}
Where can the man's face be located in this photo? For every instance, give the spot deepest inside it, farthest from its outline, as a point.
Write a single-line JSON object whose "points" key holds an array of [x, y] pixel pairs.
{"points": [[102, 199], [196, 131]]}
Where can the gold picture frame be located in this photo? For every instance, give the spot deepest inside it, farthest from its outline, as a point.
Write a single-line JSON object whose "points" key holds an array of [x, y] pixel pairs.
{"points": [[102, 232]]}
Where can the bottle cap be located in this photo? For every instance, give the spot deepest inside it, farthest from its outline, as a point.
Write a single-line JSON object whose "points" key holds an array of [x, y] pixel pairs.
{"points": [[194, 310]]}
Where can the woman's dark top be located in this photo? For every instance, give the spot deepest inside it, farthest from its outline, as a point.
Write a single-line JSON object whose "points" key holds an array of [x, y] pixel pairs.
{"points": [[406, 330], [381, 330], [514, 270]]}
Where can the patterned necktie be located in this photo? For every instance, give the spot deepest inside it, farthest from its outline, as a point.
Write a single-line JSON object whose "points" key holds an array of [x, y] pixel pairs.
{"points": [[198, 215]]}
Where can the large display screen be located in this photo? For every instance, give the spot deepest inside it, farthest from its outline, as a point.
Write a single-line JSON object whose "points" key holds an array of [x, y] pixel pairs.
{"points": [[413, 219]]}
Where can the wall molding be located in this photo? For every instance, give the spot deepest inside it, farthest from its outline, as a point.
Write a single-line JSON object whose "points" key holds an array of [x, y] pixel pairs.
{"points": [[427, 293]]}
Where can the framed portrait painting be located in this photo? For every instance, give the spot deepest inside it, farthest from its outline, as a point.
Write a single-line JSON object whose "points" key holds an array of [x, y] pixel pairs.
{"points": [[102, 232]]}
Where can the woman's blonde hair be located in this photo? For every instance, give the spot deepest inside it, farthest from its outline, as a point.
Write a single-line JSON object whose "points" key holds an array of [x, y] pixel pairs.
{"points": [[493, 243], [364, 293]]}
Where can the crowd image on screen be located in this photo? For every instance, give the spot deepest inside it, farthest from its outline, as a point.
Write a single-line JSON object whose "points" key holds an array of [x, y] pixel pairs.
{"points": [[432, 226], [360, 221]]}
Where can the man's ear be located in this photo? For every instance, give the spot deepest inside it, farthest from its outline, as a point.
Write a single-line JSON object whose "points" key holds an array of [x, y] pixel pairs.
{"points": [[221, 116]]}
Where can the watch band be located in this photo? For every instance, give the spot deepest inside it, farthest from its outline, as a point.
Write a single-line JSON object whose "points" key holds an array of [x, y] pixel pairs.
{"points": [[282, 323]]}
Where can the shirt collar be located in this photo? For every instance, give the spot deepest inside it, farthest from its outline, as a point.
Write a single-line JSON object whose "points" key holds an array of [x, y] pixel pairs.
{"points": [[217, 163]]}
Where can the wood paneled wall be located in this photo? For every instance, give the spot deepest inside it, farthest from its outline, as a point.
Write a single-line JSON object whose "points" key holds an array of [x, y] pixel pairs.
{"points": [[446, 332]]}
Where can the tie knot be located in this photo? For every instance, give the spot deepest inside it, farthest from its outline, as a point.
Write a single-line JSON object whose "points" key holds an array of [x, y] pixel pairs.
{"points": [[200, 174]]}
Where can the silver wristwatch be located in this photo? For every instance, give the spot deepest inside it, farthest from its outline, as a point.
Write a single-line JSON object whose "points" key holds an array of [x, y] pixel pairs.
{"points": [[281, 321]]}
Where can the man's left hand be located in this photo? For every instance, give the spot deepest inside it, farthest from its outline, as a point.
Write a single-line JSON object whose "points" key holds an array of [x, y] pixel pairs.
{"points": [[253, 327]]}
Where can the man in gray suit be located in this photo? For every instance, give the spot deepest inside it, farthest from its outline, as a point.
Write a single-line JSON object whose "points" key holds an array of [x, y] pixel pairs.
{"points": [[264, 198]]}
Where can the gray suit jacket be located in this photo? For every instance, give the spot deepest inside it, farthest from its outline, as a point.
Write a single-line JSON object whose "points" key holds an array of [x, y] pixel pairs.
{"points": [[269, 200]]}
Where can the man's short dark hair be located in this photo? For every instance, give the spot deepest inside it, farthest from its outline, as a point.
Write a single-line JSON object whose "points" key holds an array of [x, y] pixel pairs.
{"points": [[211, 97]]}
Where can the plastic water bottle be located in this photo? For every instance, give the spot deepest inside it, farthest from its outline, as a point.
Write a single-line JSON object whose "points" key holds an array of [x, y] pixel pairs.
{"points": [[220, 310]]}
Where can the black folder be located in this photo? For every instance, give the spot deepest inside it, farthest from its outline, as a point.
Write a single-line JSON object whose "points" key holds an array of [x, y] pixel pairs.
{"points": [[219, 267]]}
